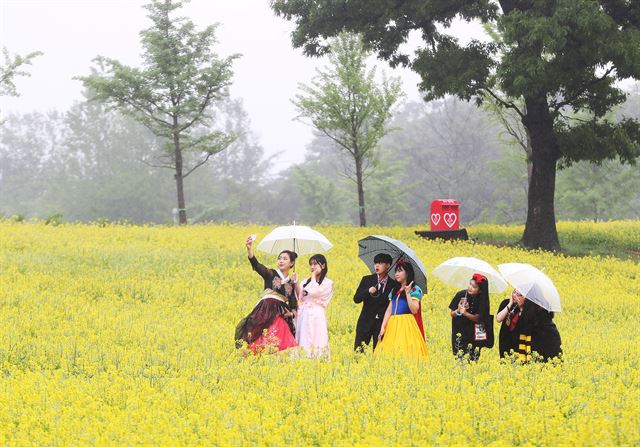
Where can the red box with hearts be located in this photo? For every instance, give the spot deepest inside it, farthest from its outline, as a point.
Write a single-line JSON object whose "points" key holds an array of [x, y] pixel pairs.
{"points": [[445, 215]]}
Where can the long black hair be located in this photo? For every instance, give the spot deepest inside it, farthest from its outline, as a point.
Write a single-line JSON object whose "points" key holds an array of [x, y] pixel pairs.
{"points": [[532, 311], [321, 261], [484, 305]]}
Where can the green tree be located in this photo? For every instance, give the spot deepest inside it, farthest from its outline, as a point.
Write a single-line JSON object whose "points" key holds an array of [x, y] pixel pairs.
{"points": [[324, 194], [509, 183], [31, 154], [345, 103], [598, 191], [238, 177], [439, 145], [11, 68], [555, 56], [104, 176], [389, 192], [323, 199], [174, 93]]}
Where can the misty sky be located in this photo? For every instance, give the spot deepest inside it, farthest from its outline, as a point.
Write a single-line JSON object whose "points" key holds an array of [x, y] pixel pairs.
{"points": [[72, 32]]}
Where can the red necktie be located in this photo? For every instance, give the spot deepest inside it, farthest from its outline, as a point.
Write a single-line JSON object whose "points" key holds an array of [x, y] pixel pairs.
{"points": [[514, 321]]}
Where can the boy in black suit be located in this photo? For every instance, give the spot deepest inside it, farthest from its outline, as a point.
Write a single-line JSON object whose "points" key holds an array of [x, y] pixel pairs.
{"points": [[373, 292]]}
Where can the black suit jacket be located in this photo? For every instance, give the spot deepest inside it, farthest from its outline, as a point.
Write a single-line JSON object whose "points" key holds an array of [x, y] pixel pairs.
{"points": [[373, 306]]}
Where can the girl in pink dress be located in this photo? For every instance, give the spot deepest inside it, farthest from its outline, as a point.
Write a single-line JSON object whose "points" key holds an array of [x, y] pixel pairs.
{"points": [[311, 322]]}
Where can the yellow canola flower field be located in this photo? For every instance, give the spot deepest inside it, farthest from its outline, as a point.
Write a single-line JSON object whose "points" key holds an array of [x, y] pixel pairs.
{"points": [[123, 335]]}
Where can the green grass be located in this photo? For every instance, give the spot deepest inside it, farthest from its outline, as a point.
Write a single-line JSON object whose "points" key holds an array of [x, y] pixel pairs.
{"points": [[620, 239]]}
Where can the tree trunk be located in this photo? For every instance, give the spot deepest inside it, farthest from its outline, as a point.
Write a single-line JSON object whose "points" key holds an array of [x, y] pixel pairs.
{"points": [[528, 153], [540, 230], [182, 212], [359, 182]]}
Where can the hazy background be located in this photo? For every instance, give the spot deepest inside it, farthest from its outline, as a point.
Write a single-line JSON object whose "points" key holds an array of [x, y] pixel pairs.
{"points": [[65, 157], [72, 32]]}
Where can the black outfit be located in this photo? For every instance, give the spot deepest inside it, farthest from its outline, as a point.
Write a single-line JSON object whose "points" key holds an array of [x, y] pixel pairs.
{"points": [[464, 344], [373, 308], [273, 281], [538, 324], [507, 340]]}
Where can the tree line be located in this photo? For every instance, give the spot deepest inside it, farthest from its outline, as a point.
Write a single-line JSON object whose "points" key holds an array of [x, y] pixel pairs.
{"points": [[88, 164], [527, 127]]}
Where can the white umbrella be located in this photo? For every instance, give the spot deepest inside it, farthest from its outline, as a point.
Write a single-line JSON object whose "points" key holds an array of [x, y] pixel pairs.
{"points": [[533, 284], [457, 272], [299, 238]]}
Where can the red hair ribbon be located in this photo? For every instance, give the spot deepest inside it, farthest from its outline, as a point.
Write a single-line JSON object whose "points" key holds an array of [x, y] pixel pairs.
{"points": [[478, 278]]}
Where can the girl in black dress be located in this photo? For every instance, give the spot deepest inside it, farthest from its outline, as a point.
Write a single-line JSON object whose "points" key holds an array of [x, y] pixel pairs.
{"points": [[532, 330], [469, 311], [270, 325]]}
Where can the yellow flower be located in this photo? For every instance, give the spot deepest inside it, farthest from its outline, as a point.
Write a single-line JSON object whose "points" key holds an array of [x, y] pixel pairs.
{"points": [[124, 335]]}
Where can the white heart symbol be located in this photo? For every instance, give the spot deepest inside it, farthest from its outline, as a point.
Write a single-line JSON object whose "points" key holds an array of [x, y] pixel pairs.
{"points": [[435, 218], [450, 219]]}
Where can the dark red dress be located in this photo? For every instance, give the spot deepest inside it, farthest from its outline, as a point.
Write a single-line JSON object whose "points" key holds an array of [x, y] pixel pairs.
{"points": [[265, 329]]}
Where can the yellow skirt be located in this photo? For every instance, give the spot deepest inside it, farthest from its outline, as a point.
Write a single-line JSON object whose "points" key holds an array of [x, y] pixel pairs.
{"points": [[402, 337]]}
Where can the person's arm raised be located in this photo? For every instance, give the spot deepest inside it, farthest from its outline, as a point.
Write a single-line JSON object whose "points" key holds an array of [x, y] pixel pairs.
{"points": [[249, 244], [500, 316], [259, 268], [413, 302]]}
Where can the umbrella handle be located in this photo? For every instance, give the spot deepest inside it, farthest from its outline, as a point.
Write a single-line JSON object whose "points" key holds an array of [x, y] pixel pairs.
{"points": [[396, 261]]}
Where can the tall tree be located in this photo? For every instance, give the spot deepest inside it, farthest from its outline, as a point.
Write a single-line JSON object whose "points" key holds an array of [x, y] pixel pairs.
{"points": [[555, 56], [173, 94], [345, 103]]}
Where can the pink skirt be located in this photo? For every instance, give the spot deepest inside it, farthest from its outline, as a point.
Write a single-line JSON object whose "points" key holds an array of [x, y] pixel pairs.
{"points": [[278, 337]]}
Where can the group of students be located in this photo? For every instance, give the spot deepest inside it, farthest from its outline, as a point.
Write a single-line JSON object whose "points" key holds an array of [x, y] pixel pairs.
{"points": [[527, 330], [291, 313]]}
